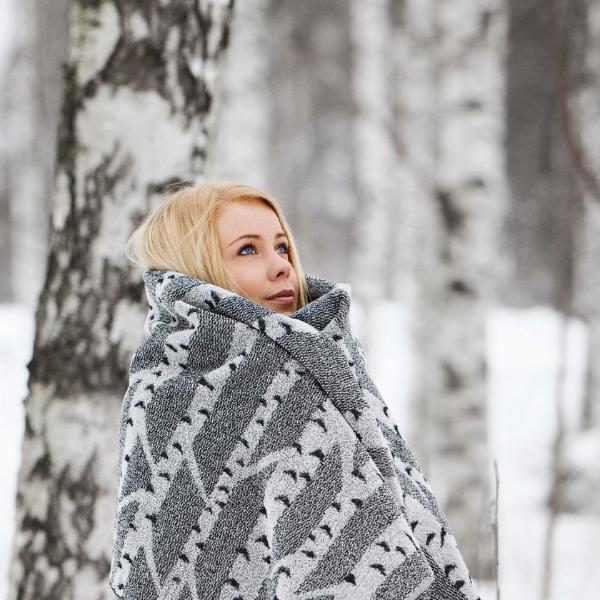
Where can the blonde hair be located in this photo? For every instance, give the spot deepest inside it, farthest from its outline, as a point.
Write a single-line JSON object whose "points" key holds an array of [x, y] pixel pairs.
{"points": [[181, 234]]}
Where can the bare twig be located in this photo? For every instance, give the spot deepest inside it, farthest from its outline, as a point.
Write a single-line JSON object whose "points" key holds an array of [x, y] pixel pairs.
{"points": [[495, 527]]}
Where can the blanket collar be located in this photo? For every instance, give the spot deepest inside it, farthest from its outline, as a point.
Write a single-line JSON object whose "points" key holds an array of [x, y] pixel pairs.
{"points": [[327, 309], [317, 335]]}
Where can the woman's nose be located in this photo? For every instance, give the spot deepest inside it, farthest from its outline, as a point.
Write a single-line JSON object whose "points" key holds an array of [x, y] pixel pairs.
{"points": [[282, 262]]}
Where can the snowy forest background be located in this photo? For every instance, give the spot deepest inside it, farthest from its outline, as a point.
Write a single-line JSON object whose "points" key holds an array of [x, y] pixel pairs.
{"points": [[443, 158]]}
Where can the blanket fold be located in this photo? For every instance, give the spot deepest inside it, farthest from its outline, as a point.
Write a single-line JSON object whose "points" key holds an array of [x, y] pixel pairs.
{"points": [[258, 460]]}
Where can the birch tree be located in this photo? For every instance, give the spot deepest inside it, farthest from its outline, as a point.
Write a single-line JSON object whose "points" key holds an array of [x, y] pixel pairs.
{"points": [[409, 165], [311, 159], [241, 148], [136, 116], [545, 200], [30, 98], [585, 114], [371, 38], [460, 147], [574, 480]]}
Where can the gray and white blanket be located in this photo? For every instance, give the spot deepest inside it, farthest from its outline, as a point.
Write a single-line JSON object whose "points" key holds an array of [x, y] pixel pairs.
{"points": [[258, 460]]}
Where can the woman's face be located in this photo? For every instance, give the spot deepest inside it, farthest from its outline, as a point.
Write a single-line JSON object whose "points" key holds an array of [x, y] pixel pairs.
{"points": [[254, 251]]}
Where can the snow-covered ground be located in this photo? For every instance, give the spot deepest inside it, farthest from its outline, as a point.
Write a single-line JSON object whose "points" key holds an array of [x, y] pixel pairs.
{"points": [[522, 353]]}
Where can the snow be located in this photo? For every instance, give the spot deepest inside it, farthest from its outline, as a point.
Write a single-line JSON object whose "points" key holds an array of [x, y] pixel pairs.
{"points": [[522, 349]]}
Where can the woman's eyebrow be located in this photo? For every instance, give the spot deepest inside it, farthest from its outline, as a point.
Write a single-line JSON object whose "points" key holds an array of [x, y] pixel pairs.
{"points": [[254, 235]]}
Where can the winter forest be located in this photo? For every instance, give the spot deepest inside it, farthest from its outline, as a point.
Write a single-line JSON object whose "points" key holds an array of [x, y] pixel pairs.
{"points": [[442, 158]]}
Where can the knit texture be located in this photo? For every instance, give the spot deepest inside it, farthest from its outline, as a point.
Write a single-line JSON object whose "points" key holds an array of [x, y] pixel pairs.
{"points": [[258, 460]]}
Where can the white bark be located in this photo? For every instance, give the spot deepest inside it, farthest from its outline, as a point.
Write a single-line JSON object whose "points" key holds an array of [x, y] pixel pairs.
{"points": [[372, 44], [30, 98], [240, 148], [135, 118], [460, 145], [406, 118]]}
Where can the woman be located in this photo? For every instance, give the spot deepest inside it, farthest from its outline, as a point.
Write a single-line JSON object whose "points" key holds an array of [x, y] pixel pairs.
{"points": [[258, 459]]}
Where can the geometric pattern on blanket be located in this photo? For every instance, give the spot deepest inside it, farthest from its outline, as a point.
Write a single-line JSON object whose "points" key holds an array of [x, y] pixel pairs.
{"points": [[259, 461]]}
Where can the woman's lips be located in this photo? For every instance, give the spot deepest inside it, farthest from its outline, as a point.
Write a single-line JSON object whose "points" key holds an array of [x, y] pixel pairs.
{"points": [[283, 300]]}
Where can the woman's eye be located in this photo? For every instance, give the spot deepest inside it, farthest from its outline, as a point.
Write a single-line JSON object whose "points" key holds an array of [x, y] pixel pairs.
{"points": [[284, 245]]}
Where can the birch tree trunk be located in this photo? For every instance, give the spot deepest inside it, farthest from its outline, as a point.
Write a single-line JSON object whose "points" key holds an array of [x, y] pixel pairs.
{"points": [[455, 260], [371, 37], [135, 118], [585, 110], [545, 202], [311, 163], [6, 289], [406, 118], [30, 99], [241, 149]]}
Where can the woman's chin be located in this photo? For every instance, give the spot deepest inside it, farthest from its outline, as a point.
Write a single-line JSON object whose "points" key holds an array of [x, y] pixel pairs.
{"points": [[283, 310], [281, 307]]}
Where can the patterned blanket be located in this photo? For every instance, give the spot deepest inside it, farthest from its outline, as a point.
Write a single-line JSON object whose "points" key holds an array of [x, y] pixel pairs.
{"points": [[258, 460]]}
